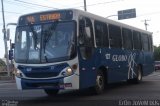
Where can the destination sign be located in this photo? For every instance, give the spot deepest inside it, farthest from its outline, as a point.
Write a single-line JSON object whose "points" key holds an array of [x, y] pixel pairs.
{"points": [[30, 19], [53, 16], [46, 17]]}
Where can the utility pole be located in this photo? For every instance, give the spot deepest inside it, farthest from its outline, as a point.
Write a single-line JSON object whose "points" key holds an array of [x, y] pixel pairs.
{"points": [[5, 40], [146, 24], [85, 7], [12, 66]]}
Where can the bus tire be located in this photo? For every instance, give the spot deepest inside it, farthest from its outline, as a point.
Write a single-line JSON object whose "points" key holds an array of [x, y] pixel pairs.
{"points": [[138, 78], [51, 92], [100, 83]]}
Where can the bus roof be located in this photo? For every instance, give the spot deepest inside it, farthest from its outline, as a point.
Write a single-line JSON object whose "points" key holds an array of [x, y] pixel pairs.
{"points": [[92, 16]]}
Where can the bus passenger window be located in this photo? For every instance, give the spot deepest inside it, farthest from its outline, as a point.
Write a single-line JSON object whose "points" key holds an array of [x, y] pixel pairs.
{"points": [[101, 34], [145, 42], [81, 31], [127, 38], [115, 36], [86, 40], [137, 40], [150, 43], [86, 32]]}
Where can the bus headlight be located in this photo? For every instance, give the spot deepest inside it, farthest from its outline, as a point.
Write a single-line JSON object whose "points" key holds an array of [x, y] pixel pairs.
{"points": [[18, 73], [67, 72]]}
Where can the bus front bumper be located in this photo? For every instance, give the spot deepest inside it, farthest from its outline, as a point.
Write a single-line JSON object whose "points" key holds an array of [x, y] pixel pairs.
{"points": [[70, 82]]}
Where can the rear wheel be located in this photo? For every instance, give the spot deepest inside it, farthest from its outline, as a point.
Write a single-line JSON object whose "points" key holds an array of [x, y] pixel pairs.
{"points": [[100, 83], [138, 78], [51, 92]]}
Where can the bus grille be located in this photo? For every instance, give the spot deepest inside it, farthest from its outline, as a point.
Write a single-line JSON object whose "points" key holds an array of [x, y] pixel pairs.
{"points": [[43, 71], [41, 75]]}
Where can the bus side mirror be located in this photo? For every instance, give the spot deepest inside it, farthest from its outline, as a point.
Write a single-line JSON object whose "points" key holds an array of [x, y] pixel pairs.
{"points": [[8, 34], [12, 46], [10, 54]]}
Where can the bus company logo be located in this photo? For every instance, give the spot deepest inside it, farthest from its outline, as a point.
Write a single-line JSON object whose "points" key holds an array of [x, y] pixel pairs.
{"points": [[52, 67], [119, 58], [28, 69], [130, 59], [116, 58], [131, 65]]}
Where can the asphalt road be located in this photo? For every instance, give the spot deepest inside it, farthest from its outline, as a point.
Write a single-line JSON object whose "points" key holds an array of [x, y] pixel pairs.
{"points": [[147, 93]]}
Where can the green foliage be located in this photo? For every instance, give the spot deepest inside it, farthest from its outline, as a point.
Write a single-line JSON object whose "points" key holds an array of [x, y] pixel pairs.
{"points": [[2, 63], [157, 53]]}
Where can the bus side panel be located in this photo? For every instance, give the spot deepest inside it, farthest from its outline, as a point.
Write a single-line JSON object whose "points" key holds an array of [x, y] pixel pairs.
{"points": [[117, 64], [120, 65], [148, 65]]}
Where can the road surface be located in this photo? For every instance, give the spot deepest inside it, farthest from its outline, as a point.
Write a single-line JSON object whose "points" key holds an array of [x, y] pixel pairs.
{"points": [[147, 93]]}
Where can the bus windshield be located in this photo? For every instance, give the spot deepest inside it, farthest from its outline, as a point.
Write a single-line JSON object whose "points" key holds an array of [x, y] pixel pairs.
{"points": [[43, 43]]}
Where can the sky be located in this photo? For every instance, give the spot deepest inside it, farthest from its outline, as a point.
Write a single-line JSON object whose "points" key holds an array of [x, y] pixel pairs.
{"points": [[145, 10]]}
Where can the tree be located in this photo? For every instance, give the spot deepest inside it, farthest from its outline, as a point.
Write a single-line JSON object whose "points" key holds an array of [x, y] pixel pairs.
{"points": [[2, 63], [157, 53]]}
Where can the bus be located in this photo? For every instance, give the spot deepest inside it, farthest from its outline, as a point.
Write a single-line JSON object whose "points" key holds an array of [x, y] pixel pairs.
{"points": [[73, 49]]}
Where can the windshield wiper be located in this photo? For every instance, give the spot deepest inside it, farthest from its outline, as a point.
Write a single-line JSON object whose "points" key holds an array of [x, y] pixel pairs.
{"points": [[34, 35], [47, 35]]}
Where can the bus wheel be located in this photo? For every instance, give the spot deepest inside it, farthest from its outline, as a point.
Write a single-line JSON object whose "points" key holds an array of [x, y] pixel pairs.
{"points": [[51, 92], [100, 83], [138, 78]]}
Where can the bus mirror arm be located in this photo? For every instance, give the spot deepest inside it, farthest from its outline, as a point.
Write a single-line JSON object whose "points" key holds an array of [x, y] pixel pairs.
{"points": [[8, 34]]}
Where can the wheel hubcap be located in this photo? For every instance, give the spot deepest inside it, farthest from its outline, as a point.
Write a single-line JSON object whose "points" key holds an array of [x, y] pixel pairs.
{"points": [[100, 82]]}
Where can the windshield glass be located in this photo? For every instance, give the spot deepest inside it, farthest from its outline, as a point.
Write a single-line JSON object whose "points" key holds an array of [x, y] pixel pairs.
{"points": [[45, 43]]}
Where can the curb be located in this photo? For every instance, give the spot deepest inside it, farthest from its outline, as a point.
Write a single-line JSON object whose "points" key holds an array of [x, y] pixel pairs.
{"points": [[7, 81]]}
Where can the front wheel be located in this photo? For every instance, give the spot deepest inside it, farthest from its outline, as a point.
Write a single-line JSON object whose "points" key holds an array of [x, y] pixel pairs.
{"points": [[100, 83], [51, 92]]}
